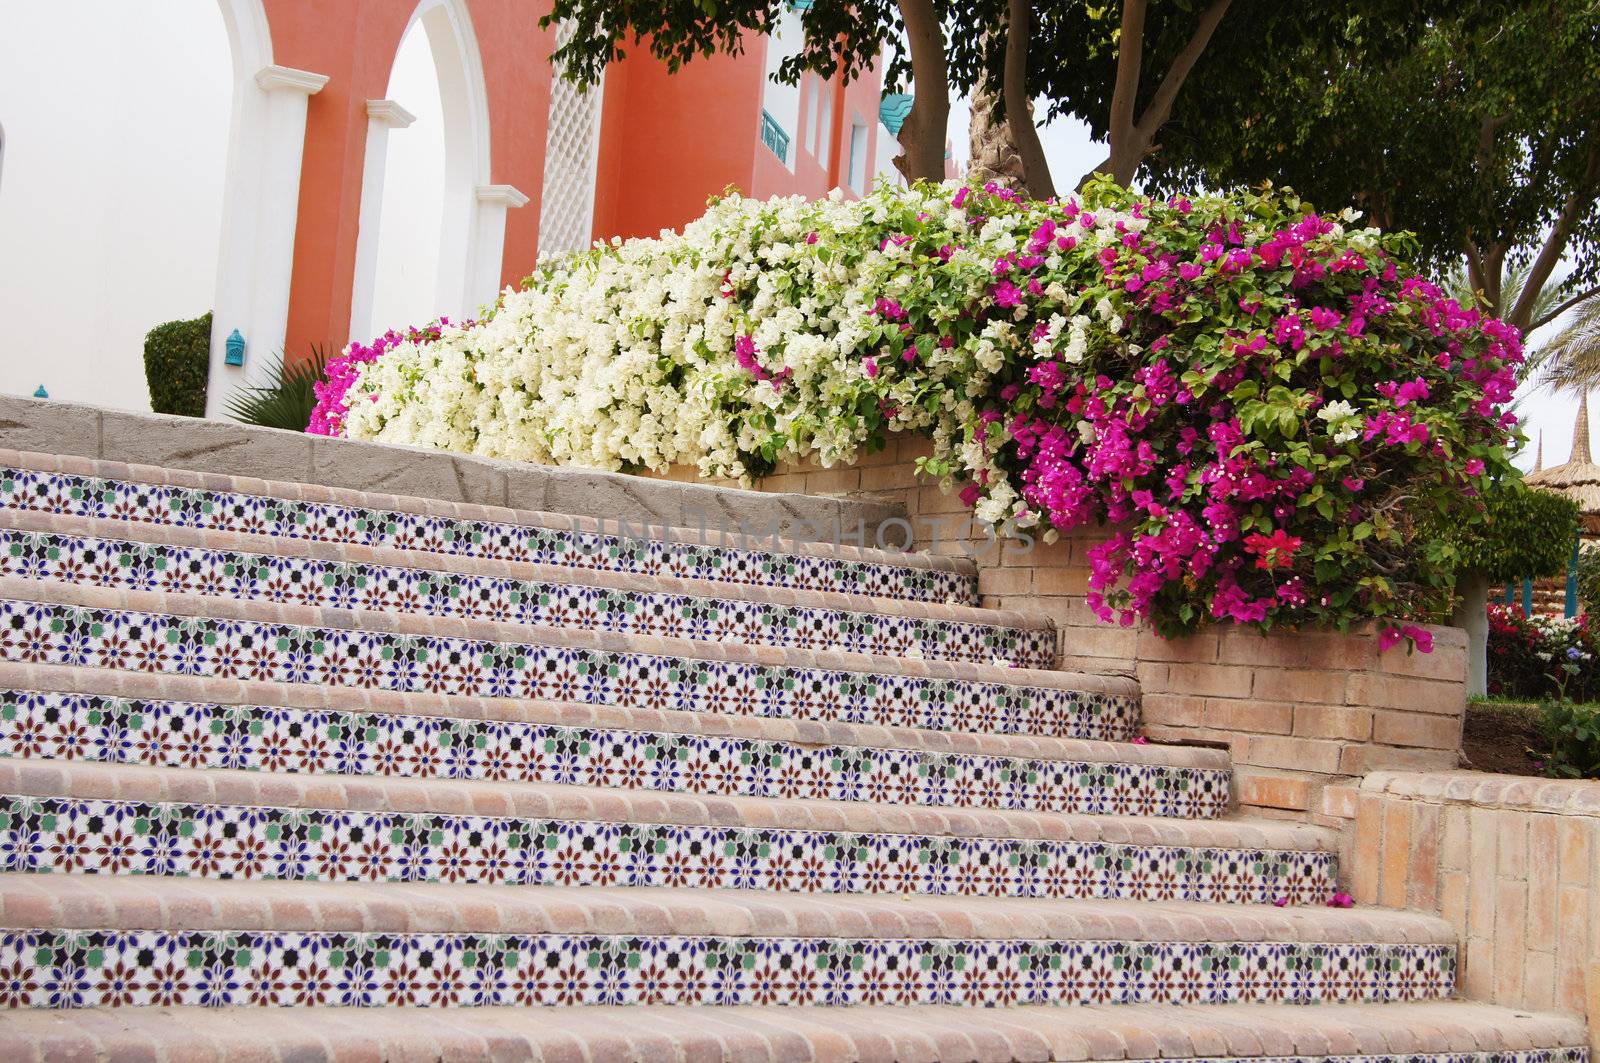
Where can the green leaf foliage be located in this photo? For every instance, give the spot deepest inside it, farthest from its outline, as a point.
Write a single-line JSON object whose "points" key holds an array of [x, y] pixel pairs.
{"points": [[1573, 733], [1481, 131], [177, 358], [287, 397], [1525, 533]]}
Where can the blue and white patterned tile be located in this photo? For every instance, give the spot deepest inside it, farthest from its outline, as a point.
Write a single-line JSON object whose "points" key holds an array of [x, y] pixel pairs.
{"points": [[97, 836], [103, 968], [59, 725], [65, 493], [43, 633]]}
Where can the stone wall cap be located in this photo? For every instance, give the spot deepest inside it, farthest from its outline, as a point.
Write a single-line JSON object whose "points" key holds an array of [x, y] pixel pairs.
{"points": [[1562, 797]]}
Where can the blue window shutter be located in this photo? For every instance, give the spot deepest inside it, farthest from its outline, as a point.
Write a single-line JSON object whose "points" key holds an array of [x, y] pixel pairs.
{"points": [[892, 111]]}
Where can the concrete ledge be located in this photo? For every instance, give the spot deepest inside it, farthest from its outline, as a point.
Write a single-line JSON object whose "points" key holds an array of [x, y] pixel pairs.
{"points": [[51, 427]]}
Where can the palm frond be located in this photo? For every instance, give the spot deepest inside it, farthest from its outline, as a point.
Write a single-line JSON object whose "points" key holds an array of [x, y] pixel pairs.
{"points": [[1517, 280], [1511, 287], [285, 399], [1571, 358]]}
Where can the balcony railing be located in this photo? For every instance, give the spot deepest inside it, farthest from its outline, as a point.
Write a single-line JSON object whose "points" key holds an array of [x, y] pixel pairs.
{"points": [[774, 136]]}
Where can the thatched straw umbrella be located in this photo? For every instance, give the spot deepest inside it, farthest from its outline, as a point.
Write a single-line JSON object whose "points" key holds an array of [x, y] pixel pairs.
{"points": [[1579, 478]]}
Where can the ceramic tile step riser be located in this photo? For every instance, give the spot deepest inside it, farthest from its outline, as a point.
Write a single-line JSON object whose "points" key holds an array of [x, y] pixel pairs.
{"points": [[72, 726], [99, 968], [1423, 1032], [55, 834], [245, 576], [282, 510], [212, 638], [114, 683]]}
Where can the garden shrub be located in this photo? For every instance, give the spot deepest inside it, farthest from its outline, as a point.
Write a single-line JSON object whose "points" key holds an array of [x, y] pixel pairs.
{"points": [[1260, 400], [1529, 656], [1572, 732], [1589, 579], [285, 399], [1525, 533], [177, 359]]}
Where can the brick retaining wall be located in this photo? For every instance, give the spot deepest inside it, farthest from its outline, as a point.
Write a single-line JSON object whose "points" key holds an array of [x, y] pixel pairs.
{"points": [[1513, 863]]}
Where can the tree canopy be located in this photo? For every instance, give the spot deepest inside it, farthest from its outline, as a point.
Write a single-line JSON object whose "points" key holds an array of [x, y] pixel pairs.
{"points": [[1472, 123], [1481, 136], [1525, 533]]}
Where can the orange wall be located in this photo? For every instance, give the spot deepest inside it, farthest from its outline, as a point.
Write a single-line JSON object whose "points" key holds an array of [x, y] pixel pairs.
{"points": [[354, 45], [669, 141], [354, 42]]}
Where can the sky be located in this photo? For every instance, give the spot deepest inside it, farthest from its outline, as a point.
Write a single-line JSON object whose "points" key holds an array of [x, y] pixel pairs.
{"points": [[111, 192]]}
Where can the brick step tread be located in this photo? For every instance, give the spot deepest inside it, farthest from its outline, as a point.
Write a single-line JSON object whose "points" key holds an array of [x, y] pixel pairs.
{"points": [[92, 716], [121, 683], [245, 825], [176, 560], [144, 783], [151, 631], [73, 484], [1417, 1032], [69, 902]]}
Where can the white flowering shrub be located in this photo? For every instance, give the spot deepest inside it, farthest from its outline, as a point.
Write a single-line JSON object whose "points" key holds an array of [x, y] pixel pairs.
{"points": [[1257, 397], [628, 357]]}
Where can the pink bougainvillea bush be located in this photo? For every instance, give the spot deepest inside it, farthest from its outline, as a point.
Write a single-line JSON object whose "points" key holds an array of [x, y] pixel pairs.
{"points": [[1261, 402]]}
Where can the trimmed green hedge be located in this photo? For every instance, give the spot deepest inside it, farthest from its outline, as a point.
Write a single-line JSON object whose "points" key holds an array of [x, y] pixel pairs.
{"points": [[177, 357], [1527, 534]]}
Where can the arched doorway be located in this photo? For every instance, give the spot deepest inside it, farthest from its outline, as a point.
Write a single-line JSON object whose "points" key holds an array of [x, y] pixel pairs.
{"points": [[427, 162], [408, 186]]}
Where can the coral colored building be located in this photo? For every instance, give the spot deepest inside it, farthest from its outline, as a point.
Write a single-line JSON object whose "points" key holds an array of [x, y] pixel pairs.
{"points": [[533, 166]]}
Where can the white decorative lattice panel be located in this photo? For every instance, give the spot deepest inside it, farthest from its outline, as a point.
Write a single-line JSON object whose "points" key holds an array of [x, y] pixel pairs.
{"points": [[572, 147]]}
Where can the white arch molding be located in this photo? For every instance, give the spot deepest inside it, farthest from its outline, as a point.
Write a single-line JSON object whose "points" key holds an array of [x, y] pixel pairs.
{"points": [[468, 251], [260, 200]]}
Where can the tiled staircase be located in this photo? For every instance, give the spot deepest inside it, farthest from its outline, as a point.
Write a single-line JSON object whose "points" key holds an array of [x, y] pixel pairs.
{"points": [[272, 754]]}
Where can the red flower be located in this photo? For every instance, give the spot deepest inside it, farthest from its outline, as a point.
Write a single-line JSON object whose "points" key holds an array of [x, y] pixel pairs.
{"points": [[1273, 551]]}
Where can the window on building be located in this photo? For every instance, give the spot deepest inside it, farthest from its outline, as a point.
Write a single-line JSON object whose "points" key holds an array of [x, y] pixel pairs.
{"points": [[815, 90], [780, 103], [858, 156], [825, 120]]}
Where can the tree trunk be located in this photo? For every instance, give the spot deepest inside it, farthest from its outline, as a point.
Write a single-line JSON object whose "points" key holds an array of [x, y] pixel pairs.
{"points": [[1555, 245], [1472, 615], [923, 134], [994, 154], [1019, 107], [1127, 144], [1130, 138]]}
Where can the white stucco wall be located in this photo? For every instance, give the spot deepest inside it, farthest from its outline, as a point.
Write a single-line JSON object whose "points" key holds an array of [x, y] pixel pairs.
{"points": [[116, 116]]}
